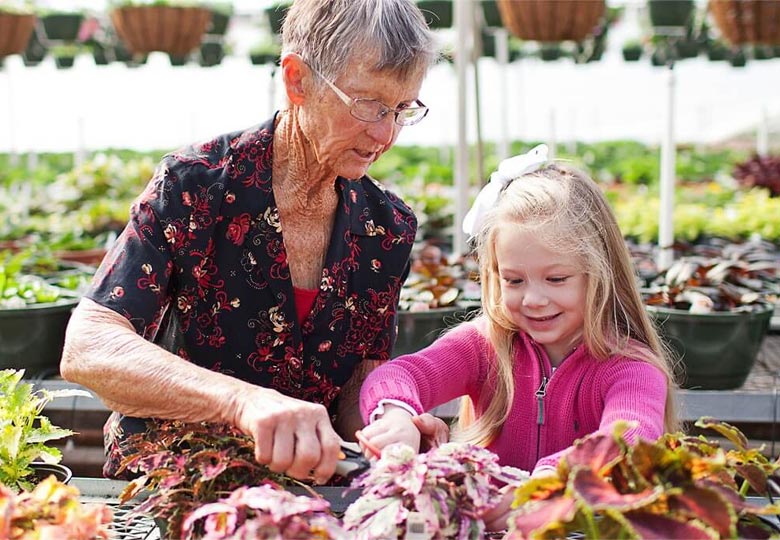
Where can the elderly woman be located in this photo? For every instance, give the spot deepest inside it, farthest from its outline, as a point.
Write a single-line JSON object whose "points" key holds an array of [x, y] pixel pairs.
{"points": [[258, 278]]}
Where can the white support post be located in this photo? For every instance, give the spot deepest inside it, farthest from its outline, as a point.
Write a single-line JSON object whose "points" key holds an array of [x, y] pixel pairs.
{"points": [[501, 36], [665, 221], [552, 142], [762, 137], [463, 18]]}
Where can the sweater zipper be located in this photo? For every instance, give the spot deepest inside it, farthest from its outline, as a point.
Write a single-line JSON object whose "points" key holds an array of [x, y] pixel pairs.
{"points": [[540, 393]]}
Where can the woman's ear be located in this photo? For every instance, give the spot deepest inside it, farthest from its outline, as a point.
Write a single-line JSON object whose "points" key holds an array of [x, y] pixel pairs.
{"points": [[294, 69]]}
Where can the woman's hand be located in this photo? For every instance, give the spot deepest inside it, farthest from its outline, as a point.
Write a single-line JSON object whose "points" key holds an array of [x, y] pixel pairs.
{"points": [[433, 430], [394, 426], [291, 436]]}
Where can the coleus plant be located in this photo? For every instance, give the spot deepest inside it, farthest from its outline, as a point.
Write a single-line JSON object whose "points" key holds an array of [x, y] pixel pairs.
{"points": [[436, 495], [24, 430], [184, 466], [678, 486], [265, 512], [51, 511]]}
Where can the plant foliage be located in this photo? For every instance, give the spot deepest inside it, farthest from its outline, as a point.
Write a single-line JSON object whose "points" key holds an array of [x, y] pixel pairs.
{"points": [[676, 487], [447, 489], [24, 430]]}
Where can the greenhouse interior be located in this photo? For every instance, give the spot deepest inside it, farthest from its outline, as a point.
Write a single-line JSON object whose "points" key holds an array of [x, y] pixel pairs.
{"points": [[190, 351]]}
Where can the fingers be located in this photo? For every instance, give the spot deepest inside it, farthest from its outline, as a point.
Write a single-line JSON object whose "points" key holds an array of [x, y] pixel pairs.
{"points": [[293, 437], [433, 430]]}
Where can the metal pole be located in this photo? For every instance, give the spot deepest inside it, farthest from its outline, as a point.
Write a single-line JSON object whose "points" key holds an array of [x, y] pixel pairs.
{"points": [[462, 57], [665, 221]]}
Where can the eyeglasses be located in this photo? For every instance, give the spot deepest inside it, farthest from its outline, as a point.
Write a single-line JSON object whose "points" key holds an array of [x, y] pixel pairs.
{"points": [[371, 110]]}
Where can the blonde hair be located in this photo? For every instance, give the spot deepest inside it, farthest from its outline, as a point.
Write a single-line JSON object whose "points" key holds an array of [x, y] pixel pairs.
{"points": [[568, 211]]}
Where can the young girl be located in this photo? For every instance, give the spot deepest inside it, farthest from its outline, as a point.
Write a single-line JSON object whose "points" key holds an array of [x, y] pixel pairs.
{"points": [[563, 347]]}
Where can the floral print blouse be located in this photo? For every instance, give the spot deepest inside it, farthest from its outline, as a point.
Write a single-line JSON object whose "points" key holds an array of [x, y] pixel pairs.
{"points": [[201, 268]]}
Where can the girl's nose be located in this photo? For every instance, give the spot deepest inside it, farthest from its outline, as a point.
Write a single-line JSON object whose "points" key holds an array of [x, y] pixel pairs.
{"points": [[534, 297]]}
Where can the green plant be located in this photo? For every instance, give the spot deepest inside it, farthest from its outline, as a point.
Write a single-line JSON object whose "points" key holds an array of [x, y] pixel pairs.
{"points": [[27, 279], [678, 486], [24, 430]]}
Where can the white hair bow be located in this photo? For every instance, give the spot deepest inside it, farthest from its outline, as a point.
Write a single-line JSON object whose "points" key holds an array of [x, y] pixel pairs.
{"points": [[508, 170]]}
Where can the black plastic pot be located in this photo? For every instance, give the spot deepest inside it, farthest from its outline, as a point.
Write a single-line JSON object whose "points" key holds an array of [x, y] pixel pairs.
{"points": [[62, 26], [670, 13], [417, 330], [717, 350], [31, 338], [438, 13], [41, 471]]}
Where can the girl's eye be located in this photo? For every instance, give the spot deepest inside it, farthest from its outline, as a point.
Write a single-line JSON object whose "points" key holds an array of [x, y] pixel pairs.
{"points": [[515, 281], [558, 279]]}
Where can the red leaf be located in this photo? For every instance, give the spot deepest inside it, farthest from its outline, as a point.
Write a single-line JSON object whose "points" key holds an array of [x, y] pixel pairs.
{"points": [[594, 451], [601, 495], [706, 505], [538, 516], [655, 526]]}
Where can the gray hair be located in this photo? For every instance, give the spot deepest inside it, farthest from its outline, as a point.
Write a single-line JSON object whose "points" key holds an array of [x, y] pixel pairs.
{"points": [[328, 33]]}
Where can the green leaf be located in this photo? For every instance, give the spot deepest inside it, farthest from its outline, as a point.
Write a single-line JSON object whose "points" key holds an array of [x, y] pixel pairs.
{"points": [[727, 430]]}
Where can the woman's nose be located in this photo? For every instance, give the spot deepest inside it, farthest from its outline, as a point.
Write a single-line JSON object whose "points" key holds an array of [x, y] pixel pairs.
{"points": [[384, 130]]}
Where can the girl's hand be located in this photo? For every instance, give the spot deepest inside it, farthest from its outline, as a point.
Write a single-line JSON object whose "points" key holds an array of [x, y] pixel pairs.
{"points": [[394, 426], [433, 430], [496, 518]]}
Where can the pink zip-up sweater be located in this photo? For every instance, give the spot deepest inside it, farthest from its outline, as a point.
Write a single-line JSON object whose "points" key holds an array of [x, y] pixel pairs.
{"points": [[551, 409]]}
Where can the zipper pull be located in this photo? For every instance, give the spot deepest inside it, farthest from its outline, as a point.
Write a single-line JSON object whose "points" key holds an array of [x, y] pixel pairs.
{"points": [[540, 393]]}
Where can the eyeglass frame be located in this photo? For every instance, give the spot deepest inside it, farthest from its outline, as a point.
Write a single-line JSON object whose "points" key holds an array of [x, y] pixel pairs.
{"points": [[350, 102]]}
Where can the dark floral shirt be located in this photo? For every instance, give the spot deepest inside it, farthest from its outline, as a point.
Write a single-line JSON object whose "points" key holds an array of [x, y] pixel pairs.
{"points": [[201, 269]]}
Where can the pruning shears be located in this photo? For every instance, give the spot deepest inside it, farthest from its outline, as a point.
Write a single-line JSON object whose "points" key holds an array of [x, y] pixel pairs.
{"points": [[352, 462]]}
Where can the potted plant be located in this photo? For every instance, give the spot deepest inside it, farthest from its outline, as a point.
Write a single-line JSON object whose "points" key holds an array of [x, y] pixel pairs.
{"points": [[670, 13], [632, 50], [430, 299], [169, 26], [25, 432], [275, 15], [184, 466], [65, 55], [211, 54], [62, 25], [677, 487], [35, 306], [551, 20], [266, 52], [439, 494], [52, 510], [714, 313], [16, 27]]}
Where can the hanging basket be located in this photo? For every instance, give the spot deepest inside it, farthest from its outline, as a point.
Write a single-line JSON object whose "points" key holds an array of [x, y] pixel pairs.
{"points": [[747, 21], [176, 30], [15, 32], [551, 20]]}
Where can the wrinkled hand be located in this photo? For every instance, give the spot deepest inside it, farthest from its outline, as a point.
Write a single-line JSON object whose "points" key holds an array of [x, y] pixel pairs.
{"points": [[394, 426], [433, 430], [291, 436]]}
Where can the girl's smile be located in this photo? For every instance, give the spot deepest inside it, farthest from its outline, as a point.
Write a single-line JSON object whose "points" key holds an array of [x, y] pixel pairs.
{"points": [[543, 290]]}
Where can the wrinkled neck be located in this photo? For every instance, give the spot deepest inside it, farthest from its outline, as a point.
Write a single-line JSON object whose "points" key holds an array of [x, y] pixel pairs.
{"points": [[302, 184]]}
